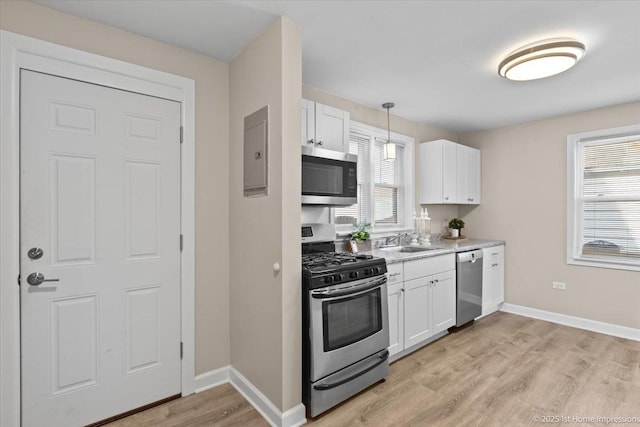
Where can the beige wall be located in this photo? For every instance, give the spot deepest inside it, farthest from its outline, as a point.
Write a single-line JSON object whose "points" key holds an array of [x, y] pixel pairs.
{"points": [[524, 202], [265, 304], [212, 170], [378, 117]]}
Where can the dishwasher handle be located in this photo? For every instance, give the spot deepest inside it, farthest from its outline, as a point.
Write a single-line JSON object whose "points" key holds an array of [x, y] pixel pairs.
{"points": [[469, 256]]}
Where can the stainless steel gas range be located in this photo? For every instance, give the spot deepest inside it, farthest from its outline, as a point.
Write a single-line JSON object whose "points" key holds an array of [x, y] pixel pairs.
{"points": [[345, 321]]}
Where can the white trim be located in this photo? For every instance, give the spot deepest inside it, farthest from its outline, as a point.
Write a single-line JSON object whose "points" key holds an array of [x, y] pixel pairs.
{"points": [[212, 379], [575, 142], [18, 52], [290, 418], [408, 143], [228, 374], [575, 322]]}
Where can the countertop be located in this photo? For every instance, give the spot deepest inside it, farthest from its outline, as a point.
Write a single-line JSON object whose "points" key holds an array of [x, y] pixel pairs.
{"points": [[441, 247]]}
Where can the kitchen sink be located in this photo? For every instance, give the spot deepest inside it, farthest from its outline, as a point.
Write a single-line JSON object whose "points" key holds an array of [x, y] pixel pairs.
{"points": [[406, 249]]}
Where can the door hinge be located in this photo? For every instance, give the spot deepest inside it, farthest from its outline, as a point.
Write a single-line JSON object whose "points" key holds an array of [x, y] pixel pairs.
{"points": [[181, 133], [181, 350], [181, 242]]}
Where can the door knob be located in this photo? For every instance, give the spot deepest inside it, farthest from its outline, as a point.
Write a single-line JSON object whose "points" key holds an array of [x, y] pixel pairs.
{"points": [[34, 279]]}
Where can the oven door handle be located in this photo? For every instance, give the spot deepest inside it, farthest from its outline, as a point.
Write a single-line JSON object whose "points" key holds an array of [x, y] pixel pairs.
{"points": [[328, 386], [350, 290]]}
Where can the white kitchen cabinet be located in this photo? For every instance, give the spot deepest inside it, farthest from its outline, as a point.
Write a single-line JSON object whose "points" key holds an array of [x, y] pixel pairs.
{"points": [[324, 126], [468, 175], [449, 173], [417, 314], [396, 318], [422, 305], [395, 292], [492, 279], [443, 301]]}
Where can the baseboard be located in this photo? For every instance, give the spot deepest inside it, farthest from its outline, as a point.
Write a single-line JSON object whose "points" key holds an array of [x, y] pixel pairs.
{"points": [[576, 322], [212, 378], [293, 417]]}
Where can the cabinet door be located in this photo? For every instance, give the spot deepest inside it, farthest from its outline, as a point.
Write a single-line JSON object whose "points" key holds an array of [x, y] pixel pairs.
{"points": [[308, 122], [487, 286], [395, 294], [468, 175], [497, 294], [462, 171], [332, 128], [449, 169], [417, 322], [474, 176], [443, 301], [431, 157]]}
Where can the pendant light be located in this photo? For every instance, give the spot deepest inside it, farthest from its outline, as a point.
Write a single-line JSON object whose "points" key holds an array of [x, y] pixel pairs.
{"points": [[389, 147]]}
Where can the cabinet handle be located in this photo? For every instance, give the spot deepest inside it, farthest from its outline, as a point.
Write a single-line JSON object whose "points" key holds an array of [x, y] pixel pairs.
{"points": [[494, 265], [311, 141], [394, 274], [469, 200], [319, 142], [402, 289], [446, 198]]}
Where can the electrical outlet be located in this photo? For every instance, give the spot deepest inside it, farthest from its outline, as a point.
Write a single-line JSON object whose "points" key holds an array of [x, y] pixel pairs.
{"points": [[559, 285]]}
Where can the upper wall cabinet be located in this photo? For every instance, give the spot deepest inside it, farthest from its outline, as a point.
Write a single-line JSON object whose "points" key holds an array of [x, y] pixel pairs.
{"points": [[449, 173], [324, 126]]}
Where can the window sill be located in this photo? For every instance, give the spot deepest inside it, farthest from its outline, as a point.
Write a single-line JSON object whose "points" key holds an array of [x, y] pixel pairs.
{"points": [[603, 263]]}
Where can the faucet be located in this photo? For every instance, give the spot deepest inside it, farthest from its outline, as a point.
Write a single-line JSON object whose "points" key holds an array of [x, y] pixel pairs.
{"points": [[395, 239]]}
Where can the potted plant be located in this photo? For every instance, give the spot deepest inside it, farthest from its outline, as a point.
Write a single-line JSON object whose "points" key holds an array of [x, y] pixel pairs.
{"points": [[360, 237], [455, 225]]}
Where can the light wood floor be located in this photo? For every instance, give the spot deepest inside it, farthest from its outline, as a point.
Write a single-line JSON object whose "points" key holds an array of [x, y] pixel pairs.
{"points": [[504, 370]]}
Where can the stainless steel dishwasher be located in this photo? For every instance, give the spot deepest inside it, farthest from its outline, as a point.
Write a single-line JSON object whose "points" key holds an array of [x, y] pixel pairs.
{"points": [[468, 286]]}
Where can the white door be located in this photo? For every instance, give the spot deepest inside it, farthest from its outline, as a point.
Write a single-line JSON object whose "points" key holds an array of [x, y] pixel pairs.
{"points": [[417, 303], [395, 301], [332, 128], [308, 125], [443, 301], [100, 196]]}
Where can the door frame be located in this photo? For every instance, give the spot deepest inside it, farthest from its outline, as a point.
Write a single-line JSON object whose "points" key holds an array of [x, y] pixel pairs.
{"points": [[17, 52]]}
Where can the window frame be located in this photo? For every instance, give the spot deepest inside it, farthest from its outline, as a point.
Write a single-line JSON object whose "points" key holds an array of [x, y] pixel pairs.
{"points": [[575, 176], [408, 144]]}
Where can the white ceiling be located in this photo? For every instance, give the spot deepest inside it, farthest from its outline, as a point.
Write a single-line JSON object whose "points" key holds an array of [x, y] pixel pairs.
{"points": [[437, 60]]}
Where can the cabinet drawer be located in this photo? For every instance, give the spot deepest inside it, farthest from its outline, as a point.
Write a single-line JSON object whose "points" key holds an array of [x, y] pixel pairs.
{"points": [[428, 266], [493, 254], [394, 273]]}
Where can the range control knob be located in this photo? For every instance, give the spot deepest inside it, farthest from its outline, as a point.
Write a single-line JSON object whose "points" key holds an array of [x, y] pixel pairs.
{"points": [[338, 278], [328, 279], [354, 274], [379, 270], [368, 271]]}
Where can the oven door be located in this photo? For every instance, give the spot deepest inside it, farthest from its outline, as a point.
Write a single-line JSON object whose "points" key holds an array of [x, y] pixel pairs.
{"points": [[349, 322]]}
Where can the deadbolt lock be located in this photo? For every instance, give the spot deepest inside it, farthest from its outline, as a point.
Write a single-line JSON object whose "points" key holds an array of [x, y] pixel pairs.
{"points": [[35, 253]]}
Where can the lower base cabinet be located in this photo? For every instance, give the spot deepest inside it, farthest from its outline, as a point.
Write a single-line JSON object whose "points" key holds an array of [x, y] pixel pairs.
{"points": [[492, 279], [421, 299]]}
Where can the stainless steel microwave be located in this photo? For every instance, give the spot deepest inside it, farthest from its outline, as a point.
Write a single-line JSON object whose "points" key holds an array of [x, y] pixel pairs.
{"points": [[329, 177]]}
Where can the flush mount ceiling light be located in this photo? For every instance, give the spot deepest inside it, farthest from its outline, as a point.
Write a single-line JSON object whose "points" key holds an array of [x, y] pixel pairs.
{"points": [[389, 147], [541, 59]]}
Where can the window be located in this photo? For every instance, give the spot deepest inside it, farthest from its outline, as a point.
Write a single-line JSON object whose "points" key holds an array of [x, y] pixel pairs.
{"points": [[385, 188], [603, 206]]}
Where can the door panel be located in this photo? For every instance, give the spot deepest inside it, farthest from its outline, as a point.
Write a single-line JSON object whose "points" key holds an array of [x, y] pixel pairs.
{"points": [[417, 303], [443, 301], [100, 195]]}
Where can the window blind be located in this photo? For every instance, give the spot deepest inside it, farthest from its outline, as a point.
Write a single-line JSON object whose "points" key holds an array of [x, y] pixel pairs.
{"points": [[610, 199], [359, 144], [387, 185]]}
